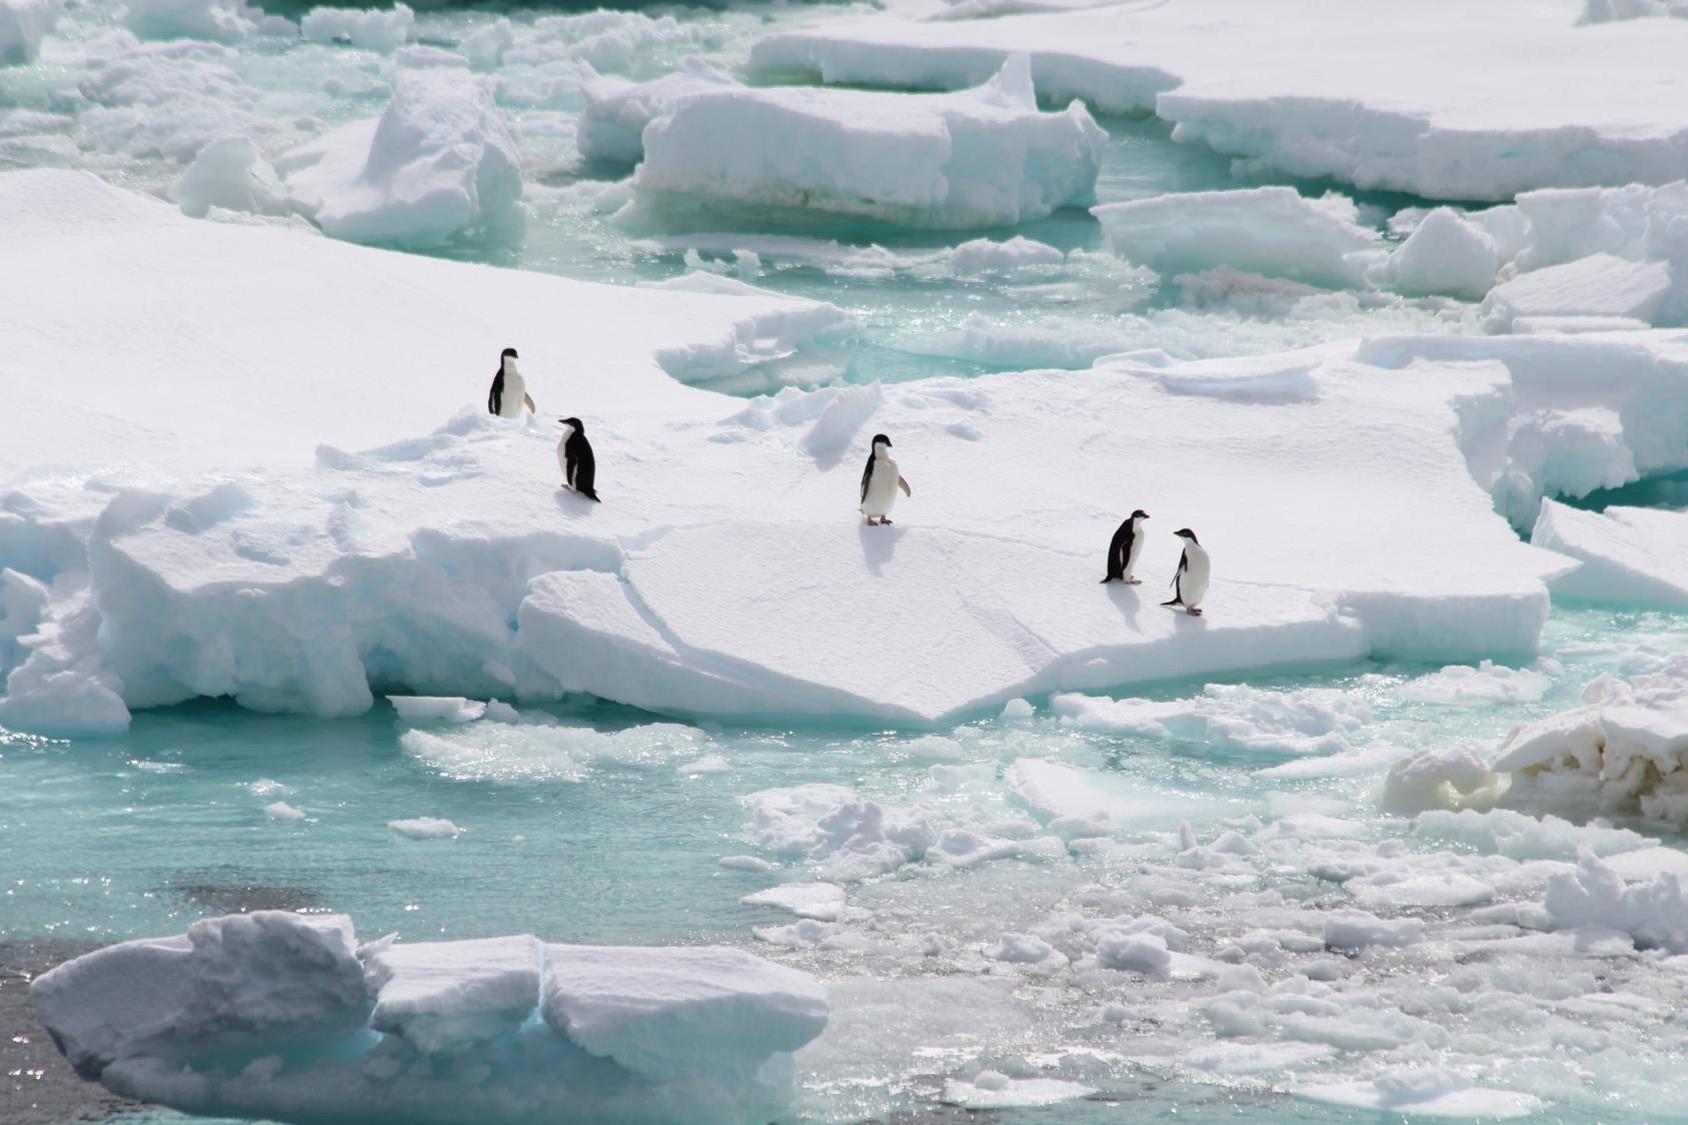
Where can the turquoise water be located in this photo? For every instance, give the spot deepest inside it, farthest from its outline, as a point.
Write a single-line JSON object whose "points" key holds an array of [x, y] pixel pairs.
{"points": [[593, 823]]}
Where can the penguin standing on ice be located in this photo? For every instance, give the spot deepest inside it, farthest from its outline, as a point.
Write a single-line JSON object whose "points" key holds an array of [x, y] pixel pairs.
{"points": [[880, 482], [509, 389], [574, 454], [1123, 550], [1190, 580]]}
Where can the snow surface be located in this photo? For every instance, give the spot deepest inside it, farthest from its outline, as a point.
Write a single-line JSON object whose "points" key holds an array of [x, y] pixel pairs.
{"points": [[712, 580], [1634, 556], [1375, 94], [271, 1015], [1272, 231], [1601, 285], [978, 158]]}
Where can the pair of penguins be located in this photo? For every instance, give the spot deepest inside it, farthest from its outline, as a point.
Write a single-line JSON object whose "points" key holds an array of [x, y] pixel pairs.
{"points": [[881, 480], [574, 453]]}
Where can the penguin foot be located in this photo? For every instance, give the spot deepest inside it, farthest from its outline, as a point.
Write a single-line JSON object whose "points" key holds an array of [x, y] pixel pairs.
{"points": [[1133, 581], [884, 519], [871, 522], [1194, 612]]}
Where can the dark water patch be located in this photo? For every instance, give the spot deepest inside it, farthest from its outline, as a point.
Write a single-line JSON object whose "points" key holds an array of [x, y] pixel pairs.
{"points": [[37, 1085], [220, 893], [1667, 490]]}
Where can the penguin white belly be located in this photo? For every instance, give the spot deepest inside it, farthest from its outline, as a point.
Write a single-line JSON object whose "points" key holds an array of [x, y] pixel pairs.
{"points": [[881, 488], [515, 397], [1134, 553], [1192, 584]]}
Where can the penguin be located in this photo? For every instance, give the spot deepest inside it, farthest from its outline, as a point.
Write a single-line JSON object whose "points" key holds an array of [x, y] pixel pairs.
{"points": [[1124, 549], [880, 482], [574, 454], [1190, 580], [509, 389]]}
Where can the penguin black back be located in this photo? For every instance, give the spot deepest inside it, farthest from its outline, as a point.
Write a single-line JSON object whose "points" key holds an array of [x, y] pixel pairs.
{"points": [[873, 448], [495, 397], [582, 465]]}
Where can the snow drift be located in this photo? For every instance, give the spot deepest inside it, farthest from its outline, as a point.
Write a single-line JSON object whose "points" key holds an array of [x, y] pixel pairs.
{"points": [[287, 1017], [979, 158], [322, 536]]}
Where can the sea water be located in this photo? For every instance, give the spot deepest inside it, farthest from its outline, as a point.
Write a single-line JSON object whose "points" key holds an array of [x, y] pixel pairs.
{"points": [[586, 822]]}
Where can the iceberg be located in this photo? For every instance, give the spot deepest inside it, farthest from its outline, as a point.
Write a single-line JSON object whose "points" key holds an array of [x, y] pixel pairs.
{"points": [[1270, 231], [438, 164], [286, 1017], [1311, 91], [978, 158]]}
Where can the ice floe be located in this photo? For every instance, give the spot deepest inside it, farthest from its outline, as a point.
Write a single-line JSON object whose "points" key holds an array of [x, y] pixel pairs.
{"points": [[23, 24], [979, 158], [442, 559], [1634, 556], [281, 1015], [1305, 90]]}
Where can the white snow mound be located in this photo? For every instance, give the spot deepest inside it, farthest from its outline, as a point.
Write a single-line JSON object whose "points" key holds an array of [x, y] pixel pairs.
{"points": [[271, 1014], [438, 164]]}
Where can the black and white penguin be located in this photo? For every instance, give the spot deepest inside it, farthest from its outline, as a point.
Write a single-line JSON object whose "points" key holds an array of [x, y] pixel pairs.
{"points": [[1190, 580], [509, 389], [1124, 549], [880, 482], [574, 454]]}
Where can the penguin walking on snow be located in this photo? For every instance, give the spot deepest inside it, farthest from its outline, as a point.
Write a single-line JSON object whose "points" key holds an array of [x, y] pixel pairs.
{"points": [[574, 454], [509, 390], [1190, 580], [880, 482], [1124, 549]]}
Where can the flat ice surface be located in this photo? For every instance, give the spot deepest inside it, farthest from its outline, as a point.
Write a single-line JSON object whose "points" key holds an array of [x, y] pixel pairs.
{"points": [[1600, 285], [1628, 555], [270, 1014], [727, 571], [1272, 231], [1376, 94], [985, 157]]}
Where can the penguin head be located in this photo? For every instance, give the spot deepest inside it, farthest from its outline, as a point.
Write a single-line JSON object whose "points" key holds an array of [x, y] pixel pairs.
{"points": [[507, 359], [1186, 533], [881, 439], [1139, 514], [572, 425]]}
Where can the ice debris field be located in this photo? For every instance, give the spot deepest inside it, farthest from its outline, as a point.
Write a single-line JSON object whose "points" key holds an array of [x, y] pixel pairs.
{"points": [[713, 803]]}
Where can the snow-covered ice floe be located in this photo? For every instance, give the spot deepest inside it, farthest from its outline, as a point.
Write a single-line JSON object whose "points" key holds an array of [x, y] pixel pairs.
{"points": [[287, 1017], [1635, 556], [321, 531], [978, 158], [1375, 94]]}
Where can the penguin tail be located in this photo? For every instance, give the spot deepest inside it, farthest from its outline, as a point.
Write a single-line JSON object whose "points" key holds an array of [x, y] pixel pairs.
{"points": [[1107, 580], [1174, 601], [591, 494]]}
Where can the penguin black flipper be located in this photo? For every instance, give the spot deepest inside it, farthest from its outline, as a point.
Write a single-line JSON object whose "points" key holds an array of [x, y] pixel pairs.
{"points": [[495, 397], [1119, 549], [1183, 565], [867, 475]]}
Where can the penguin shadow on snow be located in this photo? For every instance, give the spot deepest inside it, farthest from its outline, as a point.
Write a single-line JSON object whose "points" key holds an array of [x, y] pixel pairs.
{"points": [[1127, 600], [879, 543]]}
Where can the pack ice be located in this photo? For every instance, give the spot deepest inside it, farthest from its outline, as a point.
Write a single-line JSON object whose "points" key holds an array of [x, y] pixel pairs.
{"points": [[287, 1017], [278, 483], [977, 158], [1375, 94]]}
